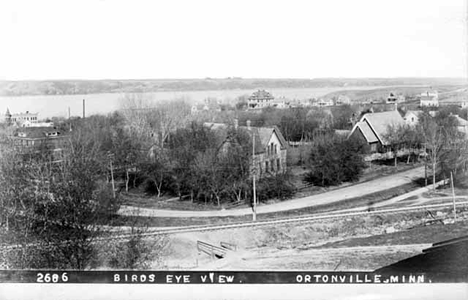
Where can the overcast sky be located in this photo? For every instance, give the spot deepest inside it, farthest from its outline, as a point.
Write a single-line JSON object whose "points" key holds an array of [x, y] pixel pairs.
{"points": [[92, 39]]}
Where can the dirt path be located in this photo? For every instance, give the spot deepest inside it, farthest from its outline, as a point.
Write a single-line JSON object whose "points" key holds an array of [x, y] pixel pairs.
{"points": [[337, 195]]}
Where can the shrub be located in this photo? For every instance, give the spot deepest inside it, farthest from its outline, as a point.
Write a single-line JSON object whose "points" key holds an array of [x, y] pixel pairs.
{"points": [[336, 160], [277, 186]]}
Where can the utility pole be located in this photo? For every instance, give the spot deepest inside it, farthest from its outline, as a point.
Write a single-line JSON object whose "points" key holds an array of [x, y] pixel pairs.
{"points": [[253, 178], [453, 197], [110, 155], [69, 120], [84, 109]]}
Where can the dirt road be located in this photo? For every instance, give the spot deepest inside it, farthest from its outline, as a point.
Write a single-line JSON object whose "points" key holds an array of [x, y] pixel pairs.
{"points": [[337, 195]]}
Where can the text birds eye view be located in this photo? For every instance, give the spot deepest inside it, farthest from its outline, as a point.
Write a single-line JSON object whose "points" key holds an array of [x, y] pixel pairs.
{"points": [[353, 178]]}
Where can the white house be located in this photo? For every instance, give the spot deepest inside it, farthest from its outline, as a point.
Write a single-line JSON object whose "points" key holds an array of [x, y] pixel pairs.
{"points": [[429, 99], [412, 117]]}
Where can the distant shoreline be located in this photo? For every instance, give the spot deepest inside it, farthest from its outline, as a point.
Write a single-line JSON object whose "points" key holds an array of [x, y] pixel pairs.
{"points": [[86, 87]]}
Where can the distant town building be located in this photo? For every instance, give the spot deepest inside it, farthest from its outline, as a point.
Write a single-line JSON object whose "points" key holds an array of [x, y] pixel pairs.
{"points": [[373, 128], [429, 99], [26, 119], [343, 100], [412, 117], [323, 102], [208, 104], [260, 99], [270, 146], [461, 104], [19, 118], [394, 98], [281, 103], [36, 136]]}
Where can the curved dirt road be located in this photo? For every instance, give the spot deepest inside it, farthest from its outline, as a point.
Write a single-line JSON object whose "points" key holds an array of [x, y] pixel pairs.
{"points": [[337, 195]]}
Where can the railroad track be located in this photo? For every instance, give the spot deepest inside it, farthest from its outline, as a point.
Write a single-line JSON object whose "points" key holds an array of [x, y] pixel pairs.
{"points": [[301, 219]]}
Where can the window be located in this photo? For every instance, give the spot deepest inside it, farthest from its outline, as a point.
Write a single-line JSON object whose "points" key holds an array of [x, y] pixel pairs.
{"points": [[266, 166], [271, 151], [276, 149], [272, 165], [260, 168], [278, 164], [373, 147]]}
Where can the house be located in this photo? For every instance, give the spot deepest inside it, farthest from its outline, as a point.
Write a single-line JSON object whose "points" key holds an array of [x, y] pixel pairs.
{"points": [[270, 147], [36, 136], [281, 103], [429, 99], [343, 100], [20, 119], [462, 125], [412, 117], [323, 102], [394, 98], [373, 128], [203, 107], [260, 99]]}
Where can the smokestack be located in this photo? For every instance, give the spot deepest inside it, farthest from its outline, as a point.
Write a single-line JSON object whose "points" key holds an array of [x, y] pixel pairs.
{"points": [[84, 109]]}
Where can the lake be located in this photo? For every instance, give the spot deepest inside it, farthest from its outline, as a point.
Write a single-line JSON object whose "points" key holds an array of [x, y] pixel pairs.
{"points": [[57, 105]]}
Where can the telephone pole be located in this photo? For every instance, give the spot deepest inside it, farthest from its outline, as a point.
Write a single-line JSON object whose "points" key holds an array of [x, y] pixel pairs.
{"points": [[453, 197], [111, 156], [253, 178]]}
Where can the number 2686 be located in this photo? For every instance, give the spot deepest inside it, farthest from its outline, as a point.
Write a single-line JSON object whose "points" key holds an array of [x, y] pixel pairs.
{"points": [[52, 277]]}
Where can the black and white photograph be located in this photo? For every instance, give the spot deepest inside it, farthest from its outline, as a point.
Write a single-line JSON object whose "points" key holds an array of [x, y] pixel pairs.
{"points": [[234, 149]]}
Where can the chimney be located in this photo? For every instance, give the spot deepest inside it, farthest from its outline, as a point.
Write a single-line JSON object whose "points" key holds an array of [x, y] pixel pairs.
{"points": [[236, 124], [248, 124]]}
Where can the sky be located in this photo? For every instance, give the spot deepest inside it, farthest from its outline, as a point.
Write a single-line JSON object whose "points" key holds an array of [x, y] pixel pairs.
{"points": [[137, 39]]}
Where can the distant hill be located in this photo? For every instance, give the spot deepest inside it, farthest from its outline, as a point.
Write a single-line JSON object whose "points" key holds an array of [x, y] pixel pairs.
{"points": [[73, 87]]}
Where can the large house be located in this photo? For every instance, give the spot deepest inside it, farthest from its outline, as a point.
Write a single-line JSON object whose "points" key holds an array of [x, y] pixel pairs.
{"points": [[373, 128], [26, 119], [36, 136], [20, 118], [270, 147], [260, 99], [429, 99]]}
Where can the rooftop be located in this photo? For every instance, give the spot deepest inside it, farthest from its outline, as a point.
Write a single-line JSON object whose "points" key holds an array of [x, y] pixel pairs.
{"points": [[262, 134], [261, 95]]}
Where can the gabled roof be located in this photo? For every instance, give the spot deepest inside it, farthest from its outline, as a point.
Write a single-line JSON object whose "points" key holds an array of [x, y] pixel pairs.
{"points": [[367, 132], [262, 134], [378, 123], [414, 112]]}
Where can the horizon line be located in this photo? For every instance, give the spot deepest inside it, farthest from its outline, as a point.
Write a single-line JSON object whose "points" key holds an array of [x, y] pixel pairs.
{"points": [[238, 78]]}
